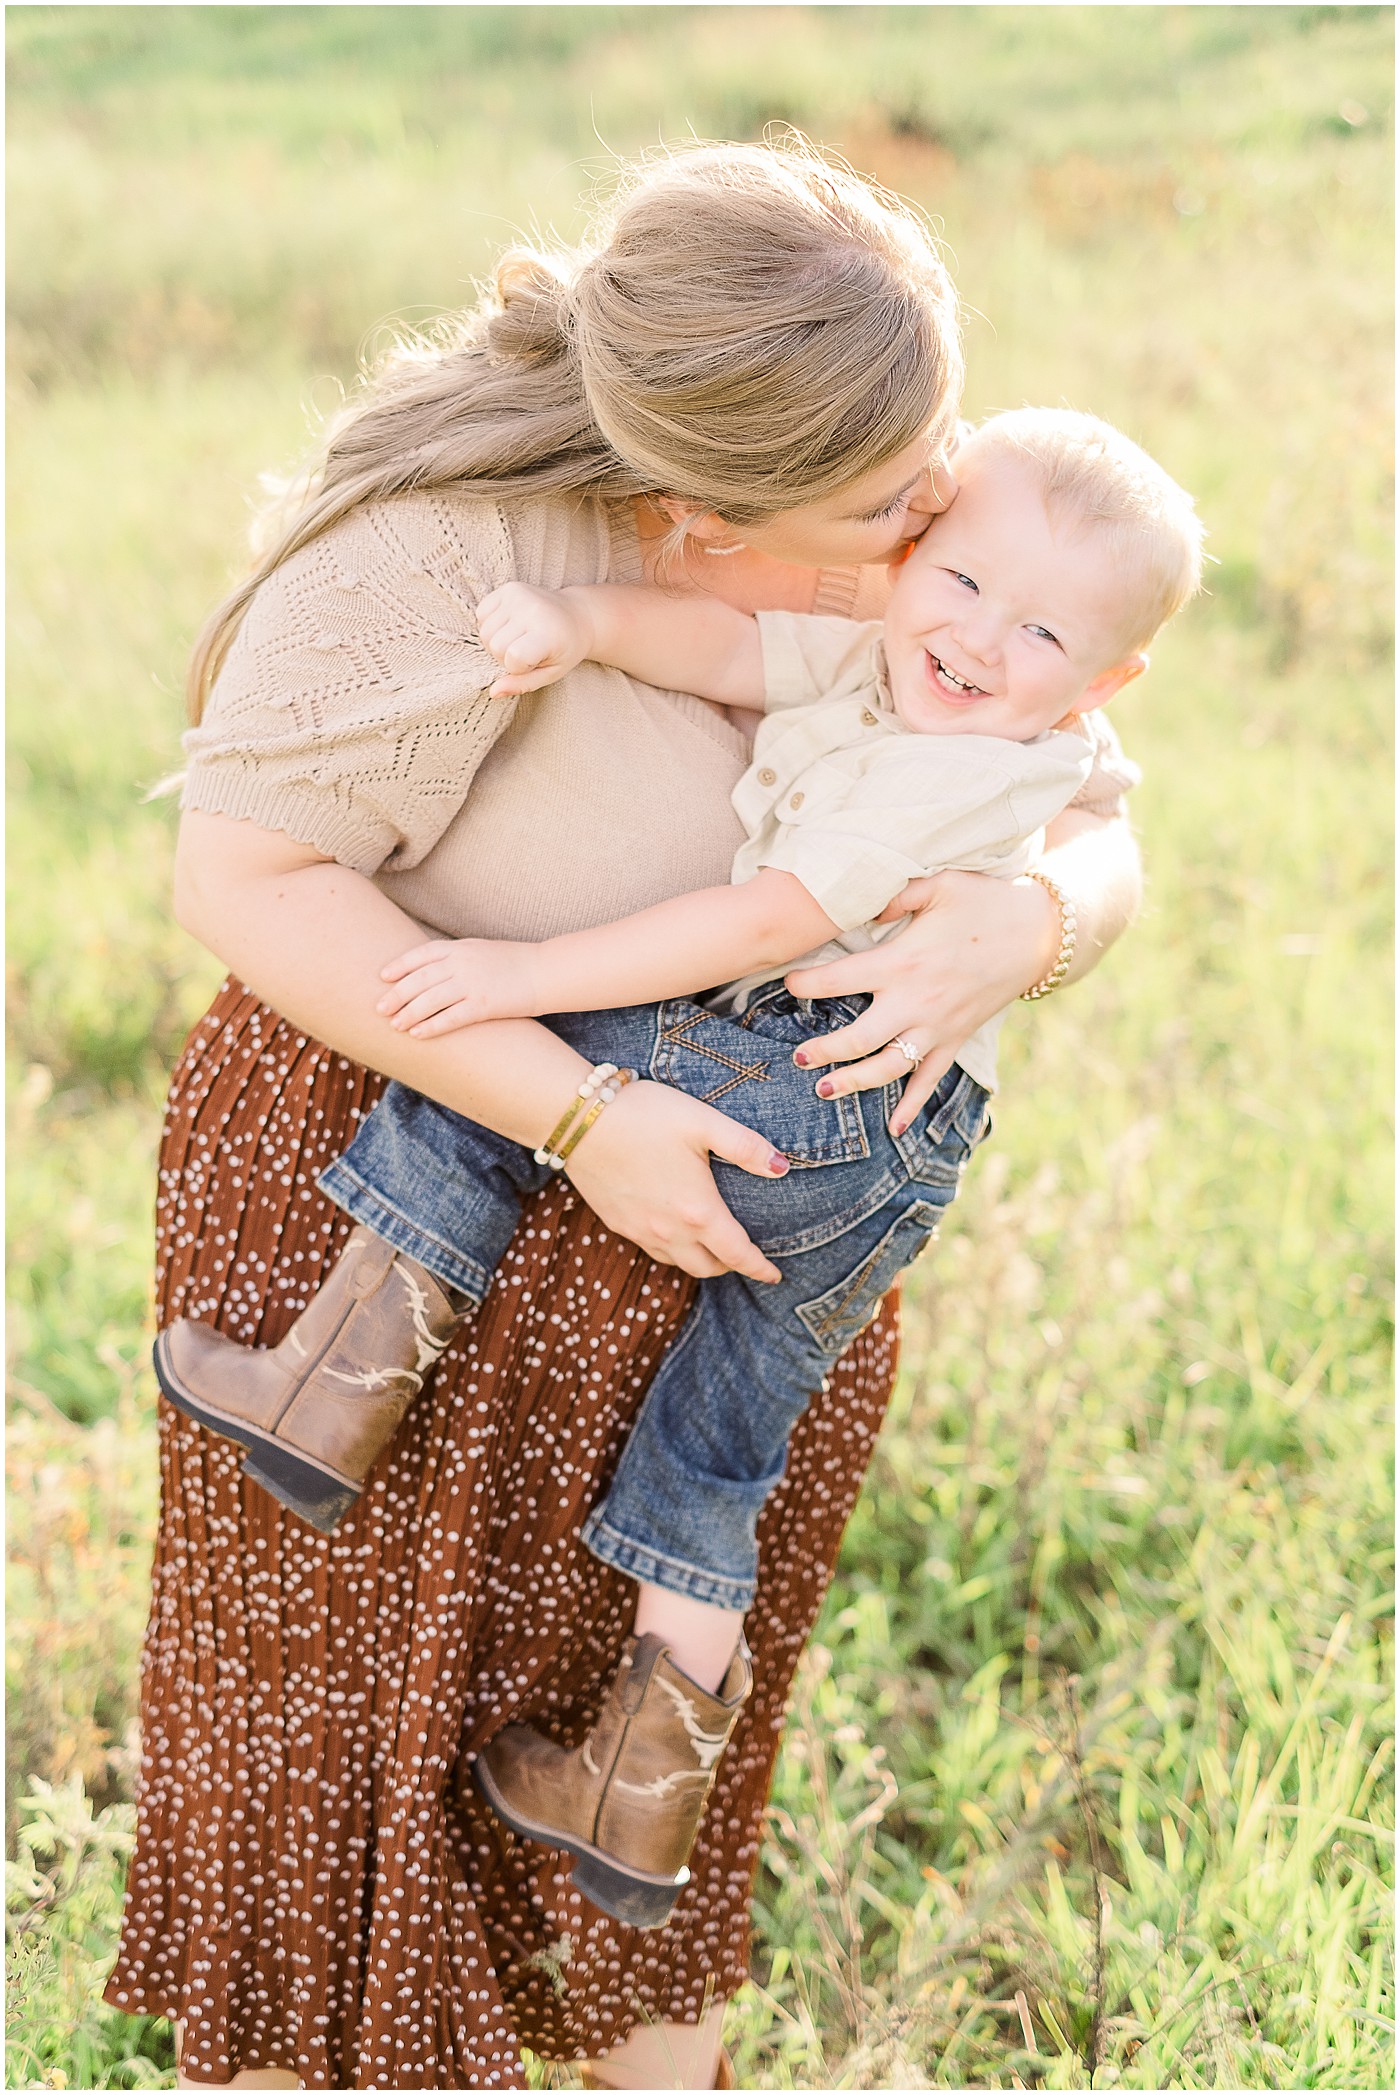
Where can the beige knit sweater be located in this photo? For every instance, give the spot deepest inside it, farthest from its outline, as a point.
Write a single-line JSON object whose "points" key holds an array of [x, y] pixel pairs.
{"points": [[351, 713]]}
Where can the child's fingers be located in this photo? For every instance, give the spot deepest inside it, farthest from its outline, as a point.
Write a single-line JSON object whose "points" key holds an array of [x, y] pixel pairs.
{"points": [[416, 956], [427, 1004], [527, 680], [428, 981], [525, 651], [450, 1021], [504, 601], [394, 1001]]}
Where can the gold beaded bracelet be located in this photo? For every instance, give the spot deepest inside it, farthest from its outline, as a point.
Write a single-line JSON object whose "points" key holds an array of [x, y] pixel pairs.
{"points": [[547, 1153], [598, 1089], [580, 1128], [1069, 935]]}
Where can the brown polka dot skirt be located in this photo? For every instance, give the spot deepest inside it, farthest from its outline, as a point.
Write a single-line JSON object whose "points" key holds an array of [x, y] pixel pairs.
{"points": [[315, 1885]]}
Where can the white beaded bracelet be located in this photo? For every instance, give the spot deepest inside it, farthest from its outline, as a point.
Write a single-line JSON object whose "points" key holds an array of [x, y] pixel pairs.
{"points": [[586, 1119], [548, 1151]]}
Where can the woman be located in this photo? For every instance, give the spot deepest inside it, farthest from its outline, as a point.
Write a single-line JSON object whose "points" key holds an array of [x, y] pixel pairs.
{"points": [[757, 358]]}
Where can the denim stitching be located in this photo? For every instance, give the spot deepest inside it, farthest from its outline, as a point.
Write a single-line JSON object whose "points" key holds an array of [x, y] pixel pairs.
{"points": [[674, 1036], [823, 1318]]}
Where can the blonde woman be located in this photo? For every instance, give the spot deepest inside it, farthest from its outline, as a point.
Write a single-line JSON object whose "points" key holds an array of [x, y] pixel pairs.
{"points": [[747, 383]]}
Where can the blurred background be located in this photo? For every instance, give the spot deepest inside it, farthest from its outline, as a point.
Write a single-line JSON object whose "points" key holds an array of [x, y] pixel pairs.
{"points": [[1087, 1777]]}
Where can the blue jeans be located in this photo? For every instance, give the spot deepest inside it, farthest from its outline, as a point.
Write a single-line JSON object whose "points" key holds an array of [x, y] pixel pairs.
{"points": [[858, 1206]]}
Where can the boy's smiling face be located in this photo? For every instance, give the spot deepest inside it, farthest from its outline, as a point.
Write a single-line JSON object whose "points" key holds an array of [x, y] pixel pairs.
{"points": [[1003, 619]]}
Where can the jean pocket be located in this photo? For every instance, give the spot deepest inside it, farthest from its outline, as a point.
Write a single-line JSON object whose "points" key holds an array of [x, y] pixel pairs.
{"points": [[836, 1317], [756, 1082], [954, 1122]]}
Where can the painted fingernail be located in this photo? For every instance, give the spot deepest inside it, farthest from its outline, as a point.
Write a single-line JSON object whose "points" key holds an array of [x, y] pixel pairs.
{"points": [[777, 1162], [799, 1056], [826, 1089]]}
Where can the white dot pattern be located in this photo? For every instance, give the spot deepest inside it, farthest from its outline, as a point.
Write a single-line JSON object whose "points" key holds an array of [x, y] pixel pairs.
{"points": [[315, 1884]]}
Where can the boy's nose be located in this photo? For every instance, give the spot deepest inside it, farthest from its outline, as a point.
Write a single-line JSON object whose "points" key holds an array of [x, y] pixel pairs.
{"points": [[979, 633]]}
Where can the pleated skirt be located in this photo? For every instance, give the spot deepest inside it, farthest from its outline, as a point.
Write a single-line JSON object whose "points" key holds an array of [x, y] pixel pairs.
{"points": [[315, 1885]]}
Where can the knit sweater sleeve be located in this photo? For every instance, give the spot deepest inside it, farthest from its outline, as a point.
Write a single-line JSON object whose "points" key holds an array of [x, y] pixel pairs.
{"points": [[351, 712]]}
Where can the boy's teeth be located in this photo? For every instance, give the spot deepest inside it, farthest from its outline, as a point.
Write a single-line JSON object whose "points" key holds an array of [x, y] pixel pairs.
{"points": [[961, 682]]}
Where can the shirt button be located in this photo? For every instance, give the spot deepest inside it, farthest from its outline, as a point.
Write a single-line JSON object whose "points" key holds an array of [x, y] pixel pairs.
{"points": [[767, 777], [867, 718], [797, 800]]}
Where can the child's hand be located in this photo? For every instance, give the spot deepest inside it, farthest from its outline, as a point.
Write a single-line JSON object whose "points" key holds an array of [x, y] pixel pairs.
{"points": [[537, 635], [454, 982]]}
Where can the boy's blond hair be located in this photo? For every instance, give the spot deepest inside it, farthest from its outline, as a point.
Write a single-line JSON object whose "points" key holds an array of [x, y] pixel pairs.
{"points": [[1090, 473]]}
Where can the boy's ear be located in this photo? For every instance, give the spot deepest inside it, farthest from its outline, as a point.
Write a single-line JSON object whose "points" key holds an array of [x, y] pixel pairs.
{"points": [[1109, 681]]}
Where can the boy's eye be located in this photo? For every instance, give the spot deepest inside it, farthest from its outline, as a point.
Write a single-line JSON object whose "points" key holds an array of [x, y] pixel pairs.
{"points": [[966, 580], [1044, 633]]}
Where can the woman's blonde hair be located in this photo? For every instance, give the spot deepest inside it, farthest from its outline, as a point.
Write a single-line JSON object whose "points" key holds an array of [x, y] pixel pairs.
{"points": [[749, 327]]}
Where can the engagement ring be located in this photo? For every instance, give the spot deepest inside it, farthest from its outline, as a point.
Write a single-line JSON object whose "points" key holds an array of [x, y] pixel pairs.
{"points": [[912, 1055]]}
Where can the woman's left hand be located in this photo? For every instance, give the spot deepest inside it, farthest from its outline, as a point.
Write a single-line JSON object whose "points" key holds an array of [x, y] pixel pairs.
{"points": [[975, 944]]}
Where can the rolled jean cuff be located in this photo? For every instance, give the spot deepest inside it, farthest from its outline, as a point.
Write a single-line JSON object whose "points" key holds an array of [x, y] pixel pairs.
{"points": [[349, 1191], [645, 1564]]}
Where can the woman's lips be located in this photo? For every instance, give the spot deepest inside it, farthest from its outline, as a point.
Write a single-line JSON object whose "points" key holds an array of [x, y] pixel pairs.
{"points": [[958, 692]]}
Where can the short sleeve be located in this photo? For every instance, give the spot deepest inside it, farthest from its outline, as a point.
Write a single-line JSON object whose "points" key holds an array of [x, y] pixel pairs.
{"points": [[1112, 775], [351, 711], [807, 658]]}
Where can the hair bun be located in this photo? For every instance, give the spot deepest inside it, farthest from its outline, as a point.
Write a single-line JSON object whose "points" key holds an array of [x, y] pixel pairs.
{"points": [[534, 318]]}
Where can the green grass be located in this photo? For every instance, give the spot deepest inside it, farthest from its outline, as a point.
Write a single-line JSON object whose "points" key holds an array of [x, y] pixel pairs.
{"points": [[1087, 1778]]}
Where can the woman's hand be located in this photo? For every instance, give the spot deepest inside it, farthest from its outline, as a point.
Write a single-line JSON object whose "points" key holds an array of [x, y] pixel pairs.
{"points": [[644, 1169], [974, 945], [311, 937]]}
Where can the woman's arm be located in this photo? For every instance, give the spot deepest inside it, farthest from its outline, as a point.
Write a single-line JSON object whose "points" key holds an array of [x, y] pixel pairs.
{"points": [[1096, 860], [310, 937], [673, 949], [975, 945]]}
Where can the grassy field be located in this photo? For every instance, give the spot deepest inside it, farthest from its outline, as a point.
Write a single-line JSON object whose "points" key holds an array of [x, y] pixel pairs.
{"points": [[1087, 1782]]}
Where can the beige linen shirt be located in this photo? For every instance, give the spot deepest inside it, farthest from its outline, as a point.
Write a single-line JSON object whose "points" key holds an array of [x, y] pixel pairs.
{"points": [[843, 796]]}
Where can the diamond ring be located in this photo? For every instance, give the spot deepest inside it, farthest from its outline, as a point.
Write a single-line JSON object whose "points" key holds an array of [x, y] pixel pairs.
{"points": [[912, 1055]]}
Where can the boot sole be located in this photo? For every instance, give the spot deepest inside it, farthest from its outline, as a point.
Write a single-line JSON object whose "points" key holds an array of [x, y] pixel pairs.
{"points": [[317, 1495], [640, 1900]]}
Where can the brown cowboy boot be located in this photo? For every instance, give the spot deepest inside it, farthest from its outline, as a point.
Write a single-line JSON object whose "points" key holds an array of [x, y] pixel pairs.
{"points": [[627, 1802], [315, 1411]]}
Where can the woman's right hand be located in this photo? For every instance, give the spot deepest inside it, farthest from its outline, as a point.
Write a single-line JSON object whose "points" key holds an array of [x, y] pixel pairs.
{"points": [[644, 1169]]}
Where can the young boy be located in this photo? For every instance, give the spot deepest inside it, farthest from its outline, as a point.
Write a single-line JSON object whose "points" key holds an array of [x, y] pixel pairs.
{"points": [[948, 737]]}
